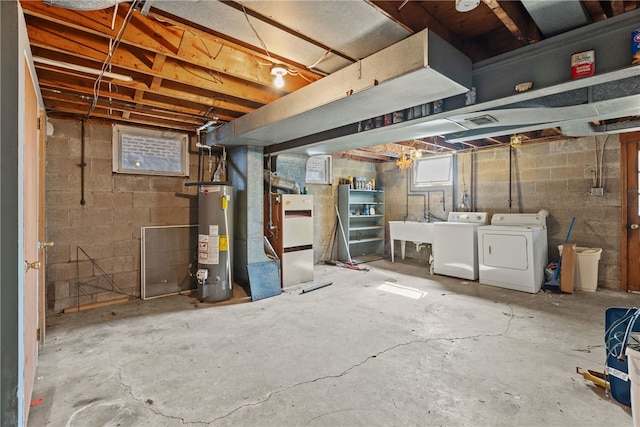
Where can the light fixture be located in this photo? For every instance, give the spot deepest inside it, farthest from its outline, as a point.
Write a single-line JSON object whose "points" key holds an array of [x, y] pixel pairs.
{"points": [[404, 162], [81, 69], [416, 154], [516, 141], [466, 5], [279, 71]]}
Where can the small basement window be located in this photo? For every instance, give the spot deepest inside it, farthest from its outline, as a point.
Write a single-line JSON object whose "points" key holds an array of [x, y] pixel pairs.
{"points": [[318, 170], [150, 152], [433, 171]]}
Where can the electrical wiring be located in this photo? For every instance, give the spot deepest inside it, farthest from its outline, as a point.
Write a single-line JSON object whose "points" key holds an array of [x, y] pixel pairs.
{"points": [[319, 60], [140, 107], [616, 339], [598, 178], [601, 161], [107, 61], [206, 75], [264, 46], [162, 21], [290, 71], [299, 74], [216, 77]]}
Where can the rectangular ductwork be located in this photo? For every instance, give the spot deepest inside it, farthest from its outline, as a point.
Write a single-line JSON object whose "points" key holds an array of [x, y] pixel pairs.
{"points": [[419, 69], [556, 16]]}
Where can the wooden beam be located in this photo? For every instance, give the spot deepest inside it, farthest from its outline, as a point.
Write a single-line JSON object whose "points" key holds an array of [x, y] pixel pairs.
{"points": [[50, 87], [368, 154], [514, 20], [595, 10], [94, 50], [345, 155], [617, 7], [202, 97], [70, 102], [415, 18], [95, 305], [159, 33], [100, 116], [244, 8]]}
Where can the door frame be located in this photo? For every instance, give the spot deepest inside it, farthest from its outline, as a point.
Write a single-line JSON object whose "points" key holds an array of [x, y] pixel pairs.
{"points": [[625, 138], [11, 278], [29, 214]]}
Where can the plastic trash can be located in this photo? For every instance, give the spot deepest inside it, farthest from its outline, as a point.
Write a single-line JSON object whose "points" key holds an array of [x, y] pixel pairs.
{"points": [[586, 268]]}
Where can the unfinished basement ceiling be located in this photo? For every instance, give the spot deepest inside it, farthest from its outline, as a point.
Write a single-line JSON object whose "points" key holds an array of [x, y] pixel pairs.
{"points": [[190, 62]]}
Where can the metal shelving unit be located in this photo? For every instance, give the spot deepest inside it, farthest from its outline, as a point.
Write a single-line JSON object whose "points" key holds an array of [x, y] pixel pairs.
{"points": [[364, 232]]}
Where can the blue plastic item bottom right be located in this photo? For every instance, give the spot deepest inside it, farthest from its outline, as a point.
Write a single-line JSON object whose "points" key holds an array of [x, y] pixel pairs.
{"points": [[619, 323]]}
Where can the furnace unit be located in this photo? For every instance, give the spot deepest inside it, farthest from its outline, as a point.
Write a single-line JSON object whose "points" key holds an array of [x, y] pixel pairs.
{"points": [[289, 229]]}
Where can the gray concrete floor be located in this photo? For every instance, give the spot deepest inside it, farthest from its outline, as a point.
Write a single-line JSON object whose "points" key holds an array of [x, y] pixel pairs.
{"points": [[348, 354]]}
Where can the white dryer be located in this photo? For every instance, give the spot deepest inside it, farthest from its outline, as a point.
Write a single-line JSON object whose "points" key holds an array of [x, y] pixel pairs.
{"points": [[512, 251], [455, 244]]}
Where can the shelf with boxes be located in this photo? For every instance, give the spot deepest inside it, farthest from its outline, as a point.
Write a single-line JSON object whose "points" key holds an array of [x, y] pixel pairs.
{"points": [[362, 216]]}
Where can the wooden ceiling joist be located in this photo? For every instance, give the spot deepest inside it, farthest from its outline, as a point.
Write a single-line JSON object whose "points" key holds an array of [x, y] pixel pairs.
{"points": [[184, 74]]}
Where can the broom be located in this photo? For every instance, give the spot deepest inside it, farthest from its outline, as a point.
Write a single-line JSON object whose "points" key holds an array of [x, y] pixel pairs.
{"points": [[346, 244], [553, 283]]}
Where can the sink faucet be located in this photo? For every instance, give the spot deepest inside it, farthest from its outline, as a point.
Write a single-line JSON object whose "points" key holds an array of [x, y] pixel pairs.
{"points": [[425, 218]]}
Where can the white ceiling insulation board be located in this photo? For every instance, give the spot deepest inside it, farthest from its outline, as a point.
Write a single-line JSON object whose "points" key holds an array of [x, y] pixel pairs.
{"points": [[372, 32]]}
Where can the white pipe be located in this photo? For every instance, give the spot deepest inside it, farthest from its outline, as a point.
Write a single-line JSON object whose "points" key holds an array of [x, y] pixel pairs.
{"points": [[81, 69], [601, 162], [206, 125]]}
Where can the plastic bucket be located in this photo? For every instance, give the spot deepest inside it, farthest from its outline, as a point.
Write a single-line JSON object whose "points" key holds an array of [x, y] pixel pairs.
{"points": [[586, 268]]}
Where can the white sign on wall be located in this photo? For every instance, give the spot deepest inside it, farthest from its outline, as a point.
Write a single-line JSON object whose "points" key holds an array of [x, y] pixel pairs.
{"points": [[146, 151]]}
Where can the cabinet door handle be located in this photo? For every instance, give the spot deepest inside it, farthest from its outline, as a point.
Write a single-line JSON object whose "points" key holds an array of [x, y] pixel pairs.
{"points": [[489, 250]]}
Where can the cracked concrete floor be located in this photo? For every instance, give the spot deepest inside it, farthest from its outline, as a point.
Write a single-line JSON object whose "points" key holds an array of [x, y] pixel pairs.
{"points": [[348, 354]]}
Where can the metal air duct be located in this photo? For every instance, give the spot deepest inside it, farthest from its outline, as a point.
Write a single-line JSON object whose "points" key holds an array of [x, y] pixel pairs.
{"points": [[83, 4], [556, 16], [419, 69]]}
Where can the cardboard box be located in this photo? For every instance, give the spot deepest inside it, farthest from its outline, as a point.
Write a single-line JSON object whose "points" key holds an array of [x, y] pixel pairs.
{"points": [[568, 268]]}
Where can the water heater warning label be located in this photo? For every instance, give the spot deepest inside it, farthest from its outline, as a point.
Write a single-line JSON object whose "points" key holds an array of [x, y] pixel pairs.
{"points": [[209, 249]]}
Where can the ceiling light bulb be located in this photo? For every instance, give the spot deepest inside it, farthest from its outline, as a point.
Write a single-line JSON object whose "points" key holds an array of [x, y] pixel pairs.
{"points": [[279, 72], [466, 5], [279, 81], [417, 154]]}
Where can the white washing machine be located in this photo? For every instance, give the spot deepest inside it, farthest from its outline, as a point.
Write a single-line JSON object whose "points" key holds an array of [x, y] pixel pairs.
{"points": [[455, 244], [512, 251]]}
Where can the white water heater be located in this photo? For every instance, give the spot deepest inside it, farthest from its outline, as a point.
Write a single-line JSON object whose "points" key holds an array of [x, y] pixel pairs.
{"points": [[215, 239]]}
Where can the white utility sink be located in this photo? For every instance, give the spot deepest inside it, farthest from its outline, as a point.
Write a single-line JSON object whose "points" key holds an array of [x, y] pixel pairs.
{"points": [[412, 231]]}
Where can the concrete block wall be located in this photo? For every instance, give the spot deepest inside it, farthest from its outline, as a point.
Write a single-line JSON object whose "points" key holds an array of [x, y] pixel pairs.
{"points": [[325, 197], [107, 228], [556, 176], [403, 204]]}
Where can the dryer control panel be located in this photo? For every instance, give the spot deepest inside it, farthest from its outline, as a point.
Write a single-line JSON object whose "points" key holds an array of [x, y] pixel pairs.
{"points": [[469, 217], [523, 220]]}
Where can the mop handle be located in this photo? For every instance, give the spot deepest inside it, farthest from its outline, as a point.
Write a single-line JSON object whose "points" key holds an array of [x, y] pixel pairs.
{"points": [[566, 240]]}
